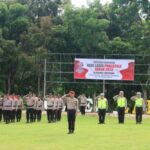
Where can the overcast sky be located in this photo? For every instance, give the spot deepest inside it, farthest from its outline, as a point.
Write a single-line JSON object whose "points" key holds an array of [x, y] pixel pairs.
{"points": [[79, 3]]}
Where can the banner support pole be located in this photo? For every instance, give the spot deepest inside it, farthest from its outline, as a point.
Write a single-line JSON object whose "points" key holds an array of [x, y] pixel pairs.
{"points": [[104, 82]]}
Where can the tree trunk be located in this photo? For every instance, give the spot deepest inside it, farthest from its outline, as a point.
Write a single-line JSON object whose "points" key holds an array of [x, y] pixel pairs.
{"points": [[8, 85]]}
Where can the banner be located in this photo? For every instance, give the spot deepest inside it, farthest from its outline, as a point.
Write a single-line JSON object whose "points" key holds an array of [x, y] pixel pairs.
{"points": [[104, 69]]}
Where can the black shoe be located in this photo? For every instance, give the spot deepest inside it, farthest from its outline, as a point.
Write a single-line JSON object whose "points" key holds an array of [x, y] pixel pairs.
{"points": [[72, 131], [69, 132]]}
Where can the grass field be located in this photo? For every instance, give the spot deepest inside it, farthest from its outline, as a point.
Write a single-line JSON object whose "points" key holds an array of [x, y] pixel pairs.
{"points": [[88, 135]]}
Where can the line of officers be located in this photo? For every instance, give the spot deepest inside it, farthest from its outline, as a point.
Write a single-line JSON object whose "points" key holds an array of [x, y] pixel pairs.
{"points": [[121, 106], [11, 107]]}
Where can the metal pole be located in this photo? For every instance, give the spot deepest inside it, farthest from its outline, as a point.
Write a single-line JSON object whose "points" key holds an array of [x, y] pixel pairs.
{"points": [[104, 82], [45, 77]]}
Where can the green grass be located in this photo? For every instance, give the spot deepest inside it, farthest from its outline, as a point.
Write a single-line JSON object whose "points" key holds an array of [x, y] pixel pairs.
{"points": [[88, 135]]}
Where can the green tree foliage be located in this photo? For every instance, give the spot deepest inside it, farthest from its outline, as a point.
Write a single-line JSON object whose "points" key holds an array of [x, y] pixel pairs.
{"points": [[30, 30]]}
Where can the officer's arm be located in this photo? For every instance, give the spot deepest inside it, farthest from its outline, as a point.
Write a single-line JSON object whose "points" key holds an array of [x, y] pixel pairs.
{"points": [[64, 98], [126, 103], [133, 98], [115, 97], [106, 104], [77, 103]]}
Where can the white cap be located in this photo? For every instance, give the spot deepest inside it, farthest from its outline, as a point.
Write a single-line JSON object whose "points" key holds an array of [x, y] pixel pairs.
{"points": [[138, 93], [102, 94]]}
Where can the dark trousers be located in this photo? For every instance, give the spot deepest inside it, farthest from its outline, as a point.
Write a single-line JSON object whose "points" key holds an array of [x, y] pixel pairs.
{"points": [[29, 114], [59, 114], [82, 110], [71, 114], [121, 112], [139, 114], [50, 116], [101, 114], [7, 114], [38, 115], [4, 117], [34, 115], [0, 115], [18, 114], [13, 114], [55, 115]]}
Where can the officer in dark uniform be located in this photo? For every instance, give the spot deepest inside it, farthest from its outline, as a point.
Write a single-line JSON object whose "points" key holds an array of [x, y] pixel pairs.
{"points": [[72, 106]]}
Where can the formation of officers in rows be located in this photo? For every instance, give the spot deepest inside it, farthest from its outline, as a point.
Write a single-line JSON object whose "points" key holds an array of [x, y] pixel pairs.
{"points": [[11, 107]]}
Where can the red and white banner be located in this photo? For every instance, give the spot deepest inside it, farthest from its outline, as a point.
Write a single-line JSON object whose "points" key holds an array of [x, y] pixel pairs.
{"points": [[104, 69]]}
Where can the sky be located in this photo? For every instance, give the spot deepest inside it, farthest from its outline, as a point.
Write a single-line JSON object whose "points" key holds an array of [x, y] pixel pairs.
{"points": [[79, 3]]}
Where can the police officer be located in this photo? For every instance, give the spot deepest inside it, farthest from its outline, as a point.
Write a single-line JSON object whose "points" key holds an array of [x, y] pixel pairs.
{"points": [[19, 108], [14, 107], [39, 108], [60, 107], [83, 102], [30, 106], [121, 104], [55, 108], [72, 106], [7, 108], [102, 105], [50, 105], [139, 103], [35, 98], [1, 106]]}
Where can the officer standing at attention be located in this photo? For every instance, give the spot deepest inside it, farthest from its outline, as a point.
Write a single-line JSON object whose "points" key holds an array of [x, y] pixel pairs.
{"points": [[102, 107], [50, 104], [139, 103], [1, 106], [35, 98], [30, 105], [39, 108], [55, 108], [14, 107], [19, 108], [72, 106], [60, 107], [7, 107], [83, 102], [121, 104]]}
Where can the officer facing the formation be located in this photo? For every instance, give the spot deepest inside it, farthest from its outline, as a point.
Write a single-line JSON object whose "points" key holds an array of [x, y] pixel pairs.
{"points": [[60, 107], [121, 104], [72, 106], [102, 107], [19, 108], [50, 105], [139, 103], [30, 107], [1, 106], [39, 108], [83, 102], [7, 107]]}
